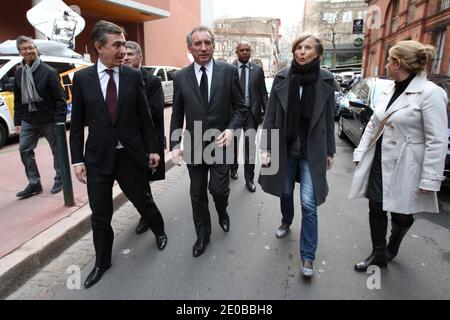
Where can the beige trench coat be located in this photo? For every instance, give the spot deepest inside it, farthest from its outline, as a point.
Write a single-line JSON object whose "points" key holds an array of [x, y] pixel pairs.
{"points": [[414, 147]]}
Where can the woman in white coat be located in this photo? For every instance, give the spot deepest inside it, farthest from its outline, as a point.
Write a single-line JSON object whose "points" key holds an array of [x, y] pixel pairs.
{"points": [[402, 152]]}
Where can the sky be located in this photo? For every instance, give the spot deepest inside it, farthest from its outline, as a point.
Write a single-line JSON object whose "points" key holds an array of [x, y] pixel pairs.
{"points": [[289, 11]]}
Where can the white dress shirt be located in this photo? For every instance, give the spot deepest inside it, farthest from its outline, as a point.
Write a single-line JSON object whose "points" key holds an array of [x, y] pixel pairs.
{"points": [[209, 72], [104, 77]]}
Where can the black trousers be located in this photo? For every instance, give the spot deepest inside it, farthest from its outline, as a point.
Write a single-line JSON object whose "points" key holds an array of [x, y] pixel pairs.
{"points": [[133, 181], [219, 187], [401, 220], [249, 148]]}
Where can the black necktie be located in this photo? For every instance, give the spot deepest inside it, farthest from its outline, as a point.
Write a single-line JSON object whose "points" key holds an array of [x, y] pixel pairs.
{"points": [[111, 95], [204, 85], [243, 78]]}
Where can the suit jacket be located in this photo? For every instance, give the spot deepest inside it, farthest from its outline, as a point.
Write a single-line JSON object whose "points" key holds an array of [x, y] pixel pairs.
{"points": [[320, 140], [155, 97], [225, 110], [414, 147], [133, 127], [257, 91]]}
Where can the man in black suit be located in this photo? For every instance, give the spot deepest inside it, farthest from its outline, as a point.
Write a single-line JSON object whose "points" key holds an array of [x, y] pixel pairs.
{"points": [[121, 145], [251, 78], [208, 93], [155, 97]]}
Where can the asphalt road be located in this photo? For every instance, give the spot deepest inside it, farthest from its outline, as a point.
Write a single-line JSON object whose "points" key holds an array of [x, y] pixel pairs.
{"points": [[249, 262]]}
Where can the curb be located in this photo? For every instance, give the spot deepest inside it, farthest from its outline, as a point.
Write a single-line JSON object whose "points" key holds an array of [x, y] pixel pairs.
{"points": [[24, 262]]}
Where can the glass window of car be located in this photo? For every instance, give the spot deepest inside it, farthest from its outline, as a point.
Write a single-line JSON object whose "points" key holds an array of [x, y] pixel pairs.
{"points": [[161, 74], [170, 74]]}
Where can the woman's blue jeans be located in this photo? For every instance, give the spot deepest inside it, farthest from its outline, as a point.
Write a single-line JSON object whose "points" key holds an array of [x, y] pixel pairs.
{"points": [[308, 233]]}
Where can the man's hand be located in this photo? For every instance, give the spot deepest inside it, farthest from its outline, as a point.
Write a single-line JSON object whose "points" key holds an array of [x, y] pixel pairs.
{"points": [[224, 139], [330, 162], [265, 159], [177, 157], [153, 160], [80, 173], [17, 129]]}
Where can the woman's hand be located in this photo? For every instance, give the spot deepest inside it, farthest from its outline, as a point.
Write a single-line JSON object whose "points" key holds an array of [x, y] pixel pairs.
{"points": [[265, 159]]}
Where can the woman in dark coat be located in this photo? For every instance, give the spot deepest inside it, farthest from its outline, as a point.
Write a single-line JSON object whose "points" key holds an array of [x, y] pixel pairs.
{"points": [[301, 108]]}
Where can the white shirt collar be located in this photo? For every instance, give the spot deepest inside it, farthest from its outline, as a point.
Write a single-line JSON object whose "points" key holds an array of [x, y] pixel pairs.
{"points": [[240, 64], [101, 67], [208, 66]]}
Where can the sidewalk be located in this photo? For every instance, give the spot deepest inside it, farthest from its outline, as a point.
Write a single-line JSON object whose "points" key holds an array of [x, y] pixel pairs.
{"points": [[34, 230]]}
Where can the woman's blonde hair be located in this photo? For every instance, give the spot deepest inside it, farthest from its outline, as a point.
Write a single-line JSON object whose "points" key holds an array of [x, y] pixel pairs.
{"points": [[412, 55]]}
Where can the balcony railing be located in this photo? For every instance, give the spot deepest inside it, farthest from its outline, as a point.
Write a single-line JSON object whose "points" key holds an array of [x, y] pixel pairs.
{"points": [[445, 4]]}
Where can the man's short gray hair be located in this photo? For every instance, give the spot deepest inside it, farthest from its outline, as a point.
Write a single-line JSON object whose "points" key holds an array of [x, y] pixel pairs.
{"points": [[199, 29], [134, 46], [23, 39]]}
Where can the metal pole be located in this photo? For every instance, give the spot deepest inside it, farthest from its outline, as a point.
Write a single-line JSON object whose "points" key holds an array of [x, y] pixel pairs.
{"points": [[64, 165]]}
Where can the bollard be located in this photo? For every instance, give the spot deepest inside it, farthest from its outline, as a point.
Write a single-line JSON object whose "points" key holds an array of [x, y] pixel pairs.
{"points": [[64, 165]]}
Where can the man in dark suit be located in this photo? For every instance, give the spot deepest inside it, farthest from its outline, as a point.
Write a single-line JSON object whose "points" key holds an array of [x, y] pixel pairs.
{"points": [[155, 97], [121, 145], [208, 93], [251, 77]]}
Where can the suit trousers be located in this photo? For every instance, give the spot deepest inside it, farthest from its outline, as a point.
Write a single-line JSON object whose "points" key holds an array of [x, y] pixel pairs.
{"points": [[132, 179], [219, 187], [249, 148]]}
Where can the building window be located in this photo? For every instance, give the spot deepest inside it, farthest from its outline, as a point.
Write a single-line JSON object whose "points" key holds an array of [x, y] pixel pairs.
{"points": [[439, 44], [411, 12], [347, 16], [445, 4], [361, 14], [329, 17]]}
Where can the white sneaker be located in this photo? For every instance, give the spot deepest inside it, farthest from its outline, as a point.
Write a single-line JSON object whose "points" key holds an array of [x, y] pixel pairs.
{"points": [[306, 271], [282, 231]]}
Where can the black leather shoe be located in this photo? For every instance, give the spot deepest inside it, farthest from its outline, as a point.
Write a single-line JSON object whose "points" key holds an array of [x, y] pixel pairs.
{"points": [[95, 276], [161, 241], [30, 190], [57, 187], [225, 225], [250, 186], [234, 174], [199, 246], [375, 259], [141, 227]]}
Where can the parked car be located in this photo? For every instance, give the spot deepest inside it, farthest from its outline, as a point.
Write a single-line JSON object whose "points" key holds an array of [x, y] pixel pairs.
{"points": [[65, 67], [338, 93], [165, 74], [356, 108]]}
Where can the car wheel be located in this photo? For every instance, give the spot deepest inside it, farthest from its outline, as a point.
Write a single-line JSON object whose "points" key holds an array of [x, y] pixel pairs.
{"points": [[3, 135], [341, 133]]}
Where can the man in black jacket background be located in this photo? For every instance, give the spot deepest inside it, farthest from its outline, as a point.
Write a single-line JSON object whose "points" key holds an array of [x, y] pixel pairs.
{"points": [[155, 97], [39, 102]]}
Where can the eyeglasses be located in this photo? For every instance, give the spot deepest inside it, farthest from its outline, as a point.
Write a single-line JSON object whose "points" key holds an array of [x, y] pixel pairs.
{"points": [[30, 48]]}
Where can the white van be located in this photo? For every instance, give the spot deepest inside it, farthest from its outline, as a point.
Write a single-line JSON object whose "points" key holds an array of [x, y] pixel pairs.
{"points": [[165, 74], [65, 67]]}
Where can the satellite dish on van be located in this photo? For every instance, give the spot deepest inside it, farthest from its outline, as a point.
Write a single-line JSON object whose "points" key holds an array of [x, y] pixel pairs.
{"points": [[57, 21]]}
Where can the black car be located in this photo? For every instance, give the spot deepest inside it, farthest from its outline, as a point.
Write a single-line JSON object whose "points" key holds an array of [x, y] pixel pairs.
{"points": [[356, 108]]}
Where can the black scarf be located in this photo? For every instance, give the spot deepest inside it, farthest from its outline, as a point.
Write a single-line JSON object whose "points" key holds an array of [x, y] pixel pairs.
{"points": [[299, 111]]}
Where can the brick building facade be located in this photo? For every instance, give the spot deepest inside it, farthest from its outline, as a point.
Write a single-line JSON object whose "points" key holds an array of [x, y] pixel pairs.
{"points": [[390, 21]]}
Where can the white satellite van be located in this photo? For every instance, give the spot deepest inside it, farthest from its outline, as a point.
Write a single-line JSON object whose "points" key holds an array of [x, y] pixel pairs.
{"points": [[60, 24]]}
